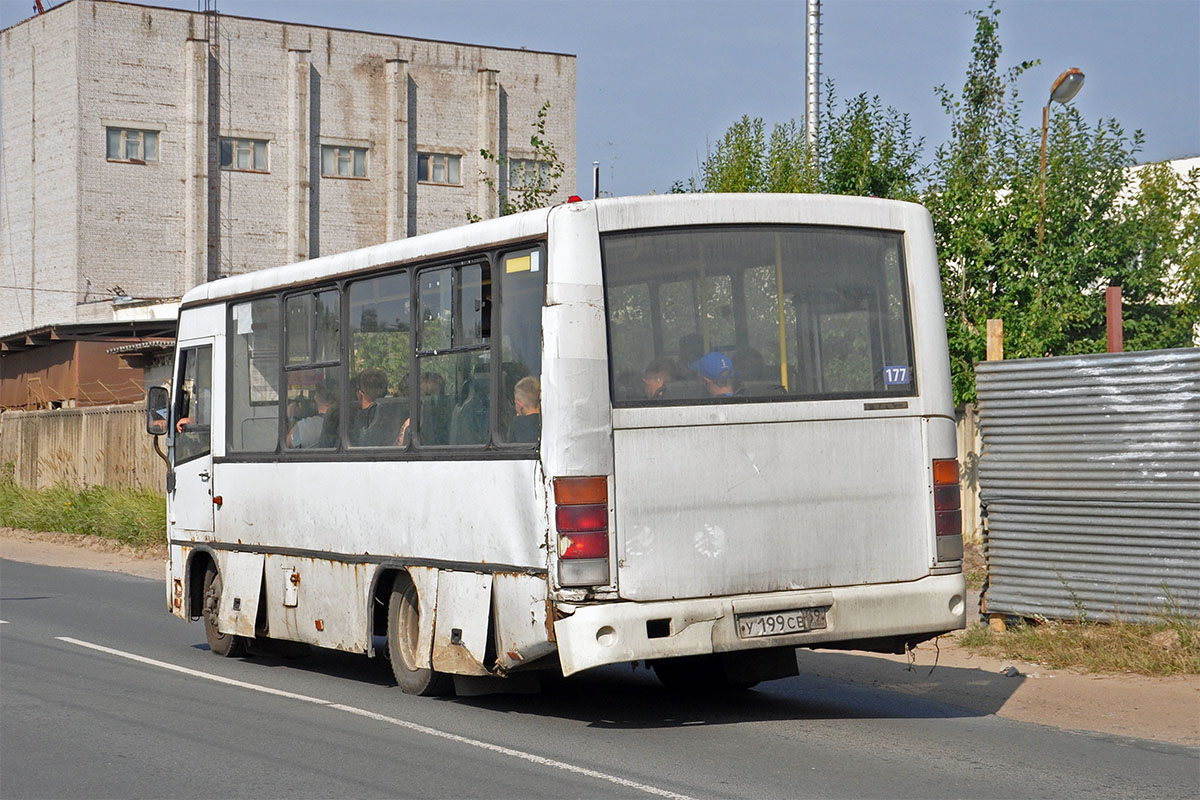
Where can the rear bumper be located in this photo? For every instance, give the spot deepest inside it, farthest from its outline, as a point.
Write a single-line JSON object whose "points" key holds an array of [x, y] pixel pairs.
{"points": [[608, 633]]}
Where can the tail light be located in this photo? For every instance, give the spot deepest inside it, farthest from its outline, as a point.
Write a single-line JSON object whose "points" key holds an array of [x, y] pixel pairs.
{"points": [[947, 509], [581, 525]]}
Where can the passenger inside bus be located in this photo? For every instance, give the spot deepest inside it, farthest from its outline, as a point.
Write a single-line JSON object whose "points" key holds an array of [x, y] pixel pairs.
{"points": [[469, 421], [378, 418], [659, 373], [527, 399], [435, 412], [309, 430], [716, 374]]}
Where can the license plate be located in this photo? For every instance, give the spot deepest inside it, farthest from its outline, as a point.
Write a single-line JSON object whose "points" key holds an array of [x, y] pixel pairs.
{"points": [[780, 623]]}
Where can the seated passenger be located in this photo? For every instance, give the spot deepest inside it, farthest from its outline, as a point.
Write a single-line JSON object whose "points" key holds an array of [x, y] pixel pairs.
{"points": [[716, 374], [527, 425], [658, 374], [370, 385], [307, 430]]}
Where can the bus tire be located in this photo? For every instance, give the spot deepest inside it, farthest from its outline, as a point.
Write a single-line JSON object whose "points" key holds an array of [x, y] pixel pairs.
{"points": [[404, 627], [226, 645]]}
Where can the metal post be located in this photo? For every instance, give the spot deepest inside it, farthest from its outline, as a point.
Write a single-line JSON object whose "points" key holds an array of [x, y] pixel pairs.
{"points": [[595, 180], [1042, 178], [813, 74]]}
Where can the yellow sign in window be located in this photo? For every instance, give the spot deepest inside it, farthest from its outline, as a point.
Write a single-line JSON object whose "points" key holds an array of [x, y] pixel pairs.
{"points": [[525, 263]]}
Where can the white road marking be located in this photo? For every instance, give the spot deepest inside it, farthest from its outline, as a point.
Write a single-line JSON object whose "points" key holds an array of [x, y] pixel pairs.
{"points": [[412, 726], [3, 622]]}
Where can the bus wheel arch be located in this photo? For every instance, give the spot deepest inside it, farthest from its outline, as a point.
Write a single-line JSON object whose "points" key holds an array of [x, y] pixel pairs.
{"points": [[413, 672], [197, 565], [204, 586]]}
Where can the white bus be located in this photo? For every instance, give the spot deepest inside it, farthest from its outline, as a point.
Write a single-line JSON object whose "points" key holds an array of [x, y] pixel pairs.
{"points": [[693, 431]]}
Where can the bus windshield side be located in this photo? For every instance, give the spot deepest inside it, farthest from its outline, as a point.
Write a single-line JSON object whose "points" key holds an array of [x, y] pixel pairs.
{"points": [[755, 313]]}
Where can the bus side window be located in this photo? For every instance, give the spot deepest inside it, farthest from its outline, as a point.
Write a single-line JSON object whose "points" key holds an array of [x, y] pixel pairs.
{"points": [[253, 398], [381, 345], [193, 404], [453, 343], [313, 372], [522, 288]]}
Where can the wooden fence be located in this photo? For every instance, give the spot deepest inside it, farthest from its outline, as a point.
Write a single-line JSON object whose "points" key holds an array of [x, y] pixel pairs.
{"points": [[79, 447]]}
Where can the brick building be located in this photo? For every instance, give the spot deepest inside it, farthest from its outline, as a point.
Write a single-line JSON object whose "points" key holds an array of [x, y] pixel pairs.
{"points": [[147, 150]]}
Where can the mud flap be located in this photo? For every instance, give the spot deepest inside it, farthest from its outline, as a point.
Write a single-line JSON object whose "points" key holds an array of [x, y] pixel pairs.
{"points": [[460, 629], [426, 581], [241, 582], [519, 603]]}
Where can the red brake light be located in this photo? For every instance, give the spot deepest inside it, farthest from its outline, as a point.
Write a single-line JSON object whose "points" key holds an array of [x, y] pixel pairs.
{"points": [[581, 519], [570, 519], [583, 545], [947, 502]]}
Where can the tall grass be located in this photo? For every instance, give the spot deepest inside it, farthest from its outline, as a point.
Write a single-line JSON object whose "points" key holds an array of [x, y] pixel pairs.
{"points": [[136, 517], [1170, 646]]}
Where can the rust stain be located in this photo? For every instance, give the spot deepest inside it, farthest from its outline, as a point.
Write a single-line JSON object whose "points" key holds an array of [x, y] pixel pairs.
{"points": [[551, 615], [456, 659], [320, 624]]}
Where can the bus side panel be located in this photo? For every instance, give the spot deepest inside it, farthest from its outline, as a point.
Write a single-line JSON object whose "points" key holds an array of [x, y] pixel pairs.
{"points": [[407, 509], [316, 600]]}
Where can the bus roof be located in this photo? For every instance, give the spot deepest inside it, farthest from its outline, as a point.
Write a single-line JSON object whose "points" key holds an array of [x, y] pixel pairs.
{"points": [[614, 213]]}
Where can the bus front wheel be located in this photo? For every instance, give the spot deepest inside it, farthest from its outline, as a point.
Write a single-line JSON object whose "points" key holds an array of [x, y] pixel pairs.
{"points": [[227, 645], [404, 626]]}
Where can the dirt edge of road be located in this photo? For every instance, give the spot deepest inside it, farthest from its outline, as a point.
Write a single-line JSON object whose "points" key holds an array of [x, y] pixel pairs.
{"points": [[1160, 709]]}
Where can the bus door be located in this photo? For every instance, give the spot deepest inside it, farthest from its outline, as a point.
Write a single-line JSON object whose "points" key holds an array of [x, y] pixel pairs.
{"points": [[191, 501]]}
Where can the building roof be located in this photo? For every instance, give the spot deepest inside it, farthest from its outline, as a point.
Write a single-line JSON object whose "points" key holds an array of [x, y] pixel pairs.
{"points": [[118, 332], [305, 25]]}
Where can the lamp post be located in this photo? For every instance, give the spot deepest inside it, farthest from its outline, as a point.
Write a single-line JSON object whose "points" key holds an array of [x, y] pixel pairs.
{"points": [[1066, 86]]}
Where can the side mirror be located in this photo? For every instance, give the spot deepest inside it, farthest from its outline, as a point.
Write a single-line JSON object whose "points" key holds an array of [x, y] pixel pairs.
{"points": [[158, 408]]}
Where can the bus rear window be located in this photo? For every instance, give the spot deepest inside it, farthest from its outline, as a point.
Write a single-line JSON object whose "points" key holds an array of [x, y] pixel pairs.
{"points": [[743, 313]]}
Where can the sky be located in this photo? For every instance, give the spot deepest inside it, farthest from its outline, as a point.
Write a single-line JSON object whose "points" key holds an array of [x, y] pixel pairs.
{"points": [[658, 81]]}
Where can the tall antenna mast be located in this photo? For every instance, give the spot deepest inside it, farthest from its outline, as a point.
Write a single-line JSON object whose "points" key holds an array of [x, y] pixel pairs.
{"points": [[813, 73]]}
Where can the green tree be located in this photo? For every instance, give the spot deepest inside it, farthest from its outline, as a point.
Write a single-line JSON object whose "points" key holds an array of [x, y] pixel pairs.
{"points": [[1105, 225], [540, 182], [864, 150]]}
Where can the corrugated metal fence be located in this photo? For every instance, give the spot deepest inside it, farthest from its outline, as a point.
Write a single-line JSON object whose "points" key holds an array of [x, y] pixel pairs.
{"points": [[1090, 474], [102, 445]]}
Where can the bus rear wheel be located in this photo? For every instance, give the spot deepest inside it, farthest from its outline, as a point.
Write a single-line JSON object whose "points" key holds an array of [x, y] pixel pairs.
{"points": [[227, 645], [404, 627]]}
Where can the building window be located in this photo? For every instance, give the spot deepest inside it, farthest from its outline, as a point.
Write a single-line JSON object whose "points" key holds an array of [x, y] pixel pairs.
{"points": [[440, 168], [525, 173], [135, 147], [246, 155], [338, 161]]}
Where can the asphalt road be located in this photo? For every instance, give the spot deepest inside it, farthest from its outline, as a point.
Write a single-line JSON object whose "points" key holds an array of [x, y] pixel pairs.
{"points": [[104, 694]]}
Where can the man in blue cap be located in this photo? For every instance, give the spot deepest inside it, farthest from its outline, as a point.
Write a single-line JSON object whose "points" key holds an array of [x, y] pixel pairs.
{"points": [[716, 373]]}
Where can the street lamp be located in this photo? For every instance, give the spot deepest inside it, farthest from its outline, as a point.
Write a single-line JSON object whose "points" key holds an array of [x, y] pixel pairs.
{"points": [[1065, 87]]}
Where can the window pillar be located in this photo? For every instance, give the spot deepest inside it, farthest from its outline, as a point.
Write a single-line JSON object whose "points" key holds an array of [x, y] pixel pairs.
{"points": [[397, 149], [486, 198]]}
